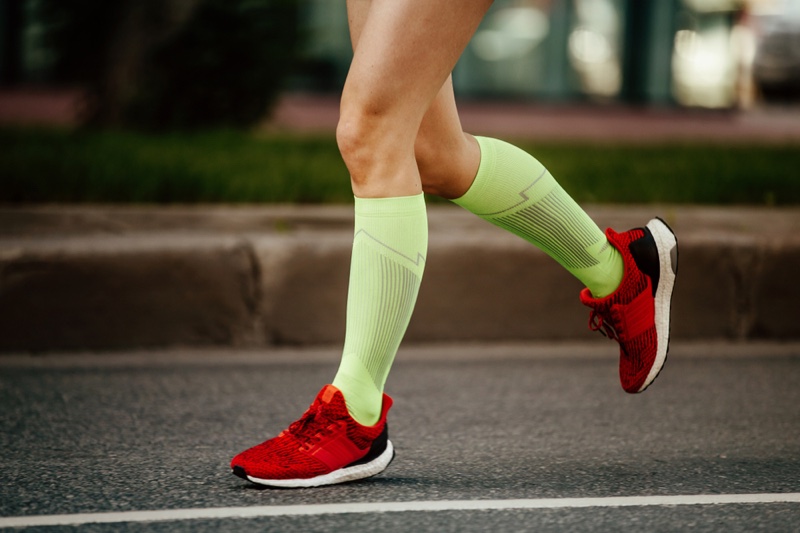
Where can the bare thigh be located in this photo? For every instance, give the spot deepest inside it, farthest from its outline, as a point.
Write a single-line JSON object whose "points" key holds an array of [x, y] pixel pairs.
{"points": [[404, 53], [447, 158]]}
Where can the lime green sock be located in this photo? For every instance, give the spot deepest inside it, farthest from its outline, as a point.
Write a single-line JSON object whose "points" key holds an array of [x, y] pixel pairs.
{"points": [[389, 248], [516, 192]]}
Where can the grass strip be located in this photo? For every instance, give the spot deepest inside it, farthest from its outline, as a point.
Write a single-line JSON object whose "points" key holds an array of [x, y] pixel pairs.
{"points": [[44, 165]]}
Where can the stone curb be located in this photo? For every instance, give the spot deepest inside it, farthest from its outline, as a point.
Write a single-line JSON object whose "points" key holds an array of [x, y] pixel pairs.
{"points": [[98, 278]]}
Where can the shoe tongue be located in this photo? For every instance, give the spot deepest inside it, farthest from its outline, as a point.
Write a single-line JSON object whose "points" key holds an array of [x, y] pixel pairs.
{"points": [[327, 393]]}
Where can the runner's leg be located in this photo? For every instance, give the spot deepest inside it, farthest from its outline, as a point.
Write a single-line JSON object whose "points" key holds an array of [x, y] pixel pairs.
{"points": [[404, 52]]}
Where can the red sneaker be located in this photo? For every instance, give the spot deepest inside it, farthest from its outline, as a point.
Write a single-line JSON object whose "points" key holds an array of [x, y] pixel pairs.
{"points": [[637, 313], [324, 447]]}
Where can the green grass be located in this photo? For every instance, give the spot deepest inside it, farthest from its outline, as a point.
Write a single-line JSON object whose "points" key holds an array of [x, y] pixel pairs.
{"points": [[39, 166]]}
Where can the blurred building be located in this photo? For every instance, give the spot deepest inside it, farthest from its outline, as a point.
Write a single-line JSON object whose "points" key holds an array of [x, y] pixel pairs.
{"points": [[704, 53], [700, 53]]}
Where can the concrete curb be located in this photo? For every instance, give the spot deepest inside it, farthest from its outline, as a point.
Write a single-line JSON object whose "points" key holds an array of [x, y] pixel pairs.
{"points": [[96, 278]]}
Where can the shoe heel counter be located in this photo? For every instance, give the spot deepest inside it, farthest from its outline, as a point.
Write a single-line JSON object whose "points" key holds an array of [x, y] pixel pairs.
{"points": [[376, 449], [645, 254]]}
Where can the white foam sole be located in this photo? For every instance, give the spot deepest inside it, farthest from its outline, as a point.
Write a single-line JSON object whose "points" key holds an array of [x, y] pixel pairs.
{"points": [[376, 466], [665, 243]]}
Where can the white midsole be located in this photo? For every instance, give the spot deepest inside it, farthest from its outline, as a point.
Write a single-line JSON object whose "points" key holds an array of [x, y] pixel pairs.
{"points": [[665, 242], [376, 466]]}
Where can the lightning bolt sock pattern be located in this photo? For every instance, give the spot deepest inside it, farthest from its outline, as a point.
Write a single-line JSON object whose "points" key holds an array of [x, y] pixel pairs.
{"points": [[515, 191], [389, 248]]}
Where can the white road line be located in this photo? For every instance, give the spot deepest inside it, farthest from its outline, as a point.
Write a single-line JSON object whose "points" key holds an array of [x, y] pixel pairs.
{"points": [[391, 507]]}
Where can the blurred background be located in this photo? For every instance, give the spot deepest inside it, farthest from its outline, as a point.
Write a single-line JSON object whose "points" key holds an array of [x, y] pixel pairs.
{"points": [[128, 128], [151, 63], [186, 101], [705, 53]]}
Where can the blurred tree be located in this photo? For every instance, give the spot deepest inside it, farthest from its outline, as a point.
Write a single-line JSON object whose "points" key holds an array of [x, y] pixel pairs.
{"points": [[173, 64], [11, 21]]}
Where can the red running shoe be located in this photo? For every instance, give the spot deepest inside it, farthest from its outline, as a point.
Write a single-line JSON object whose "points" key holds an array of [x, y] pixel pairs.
{"points": [[324, 447], [637, 313]]}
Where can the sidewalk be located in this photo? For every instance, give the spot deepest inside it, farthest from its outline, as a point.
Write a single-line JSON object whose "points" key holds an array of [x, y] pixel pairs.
{"points": [[128, 277], [302, 113], [96, 278], [318, 114]]}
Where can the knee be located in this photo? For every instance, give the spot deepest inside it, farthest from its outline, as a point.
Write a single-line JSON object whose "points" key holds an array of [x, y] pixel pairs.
{"points": [[359, 138], [351, 138], [445, 168]]}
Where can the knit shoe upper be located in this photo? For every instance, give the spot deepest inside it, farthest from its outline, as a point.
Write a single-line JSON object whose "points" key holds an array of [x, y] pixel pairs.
{"points": [[323, 447], [637, 314]]}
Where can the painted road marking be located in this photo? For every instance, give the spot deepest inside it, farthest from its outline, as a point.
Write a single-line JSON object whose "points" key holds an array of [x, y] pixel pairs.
{"points": [[169, 515]]}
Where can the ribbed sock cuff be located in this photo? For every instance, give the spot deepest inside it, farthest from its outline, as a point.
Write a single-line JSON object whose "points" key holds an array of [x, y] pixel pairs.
{"points": [[390, 207]]}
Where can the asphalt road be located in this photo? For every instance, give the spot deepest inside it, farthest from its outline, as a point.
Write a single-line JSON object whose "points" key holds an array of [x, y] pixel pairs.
{"points": [[155, 431]]}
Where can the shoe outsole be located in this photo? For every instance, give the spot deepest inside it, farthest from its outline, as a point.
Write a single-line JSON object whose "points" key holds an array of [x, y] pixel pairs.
{"points": [[342, 475], [667, 245]]}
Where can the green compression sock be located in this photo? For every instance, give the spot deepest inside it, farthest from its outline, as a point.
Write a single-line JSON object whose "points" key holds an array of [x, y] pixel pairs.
{"points": [[516, 192], [389, 249]]}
